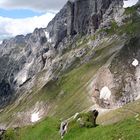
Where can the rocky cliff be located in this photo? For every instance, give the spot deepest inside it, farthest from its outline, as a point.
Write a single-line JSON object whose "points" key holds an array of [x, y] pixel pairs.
{"points": [[80, 17], [20, 58]]}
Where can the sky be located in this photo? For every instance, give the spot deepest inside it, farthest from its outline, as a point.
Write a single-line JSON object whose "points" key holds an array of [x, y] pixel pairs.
{"points": [[129, 3], [23, 16]]}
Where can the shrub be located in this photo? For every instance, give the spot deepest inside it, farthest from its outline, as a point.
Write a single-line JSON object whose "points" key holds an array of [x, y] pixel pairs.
{"points": [[9, 135]]}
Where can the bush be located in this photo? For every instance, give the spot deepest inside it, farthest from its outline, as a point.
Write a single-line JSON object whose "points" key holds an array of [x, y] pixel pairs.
{"points": [[86, 120], [9, 135]]}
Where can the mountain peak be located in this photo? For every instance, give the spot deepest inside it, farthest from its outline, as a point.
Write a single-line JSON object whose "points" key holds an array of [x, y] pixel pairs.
{"points": [[79, 17]]}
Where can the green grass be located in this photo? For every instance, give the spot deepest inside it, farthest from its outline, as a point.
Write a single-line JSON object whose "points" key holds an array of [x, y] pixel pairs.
{"points": [[113, 28], [125, 130], [130, 10], [73, 89], [129, 110], [120, 124], [49, 130], [45, 130]]}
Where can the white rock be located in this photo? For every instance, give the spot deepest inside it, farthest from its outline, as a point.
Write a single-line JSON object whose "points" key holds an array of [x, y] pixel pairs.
{"points": [[79, 119], [76, 114], [135, 62], [105, 93], [22, 76], [0, 42], [137, 115], [48, 37], [35, 117]]}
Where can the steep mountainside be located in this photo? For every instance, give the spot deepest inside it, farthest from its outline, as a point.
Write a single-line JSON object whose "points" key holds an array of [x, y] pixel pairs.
{"points": [[87, 57]]}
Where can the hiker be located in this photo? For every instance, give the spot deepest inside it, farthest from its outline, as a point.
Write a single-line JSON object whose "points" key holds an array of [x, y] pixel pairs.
{"points": [[63, 128]]}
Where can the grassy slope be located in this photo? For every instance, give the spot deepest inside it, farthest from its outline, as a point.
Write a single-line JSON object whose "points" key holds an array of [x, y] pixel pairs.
{"points": [[49, 130], [66, 94], [69, 91], [129, 110], [125, 130]]}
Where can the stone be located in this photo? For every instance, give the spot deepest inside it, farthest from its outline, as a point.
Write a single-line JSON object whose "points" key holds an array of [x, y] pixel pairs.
{"points": [[63, 128]]}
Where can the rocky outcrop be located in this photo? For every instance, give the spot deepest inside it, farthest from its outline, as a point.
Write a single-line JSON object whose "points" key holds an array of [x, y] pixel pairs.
{"points": [[125, 71], [118, 84], [57, 28], [138, 2]]}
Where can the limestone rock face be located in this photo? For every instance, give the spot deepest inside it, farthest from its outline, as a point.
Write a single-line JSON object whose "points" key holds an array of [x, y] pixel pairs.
{"points": [[87, 15], [79, 17], [126, 73], [57, 28], [20, 59]]}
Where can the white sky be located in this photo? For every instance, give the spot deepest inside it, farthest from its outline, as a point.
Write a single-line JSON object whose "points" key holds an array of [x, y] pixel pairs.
{"points": [[37, 5], [42, 5], [13, 27], [130, 3]]}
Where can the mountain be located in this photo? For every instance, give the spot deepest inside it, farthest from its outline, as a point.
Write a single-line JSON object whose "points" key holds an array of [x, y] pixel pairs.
{"points": [[86, 58], [23, 57]]}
